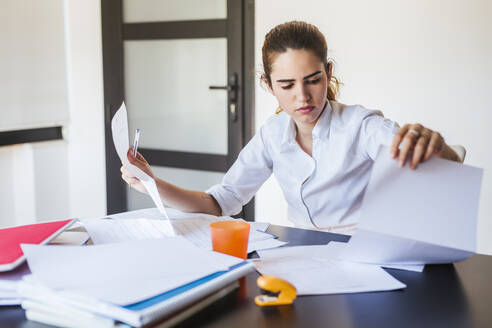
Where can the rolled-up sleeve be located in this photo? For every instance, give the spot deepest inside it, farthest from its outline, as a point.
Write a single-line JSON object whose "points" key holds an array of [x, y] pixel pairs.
{"points": [[251, 169], [376, 131]]}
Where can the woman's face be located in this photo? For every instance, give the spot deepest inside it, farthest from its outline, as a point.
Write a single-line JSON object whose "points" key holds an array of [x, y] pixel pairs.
{"points": [[299, 82]]}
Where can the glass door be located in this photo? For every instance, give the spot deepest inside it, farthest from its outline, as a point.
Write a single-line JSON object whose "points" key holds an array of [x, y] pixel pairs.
{"points": [[179, 65]]}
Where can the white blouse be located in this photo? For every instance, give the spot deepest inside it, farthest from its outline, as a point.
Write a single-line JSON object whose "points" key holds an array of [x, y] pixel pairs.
{"points": [[322, 191]]}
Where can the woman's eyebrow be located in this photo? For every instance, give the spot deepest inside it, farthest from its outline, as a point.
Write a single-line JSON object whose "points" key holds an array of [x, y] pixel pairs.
{"points": [[311, 75], [304, 78]]}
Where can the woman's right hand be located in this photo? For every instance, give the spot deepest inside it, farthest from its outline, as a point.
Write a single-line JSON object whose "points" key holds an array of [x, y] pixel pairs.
{"points": [[140, 162]]}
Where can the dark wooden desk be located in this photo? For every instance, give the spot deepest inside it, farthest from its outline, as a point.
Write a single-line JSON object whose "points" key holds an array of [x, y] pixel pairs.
{"points": [[452, 295]]}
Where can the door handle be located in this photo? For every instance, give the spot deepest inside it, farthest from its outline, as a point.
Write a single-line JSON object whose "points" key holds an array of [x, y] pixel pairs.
{"points": [[223, 87], [232, 90]]}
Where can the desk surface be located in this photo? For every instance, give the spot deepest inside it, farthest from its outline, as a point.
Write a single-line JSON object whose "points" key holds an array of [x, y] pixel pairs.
{"points": [[451, 295]]}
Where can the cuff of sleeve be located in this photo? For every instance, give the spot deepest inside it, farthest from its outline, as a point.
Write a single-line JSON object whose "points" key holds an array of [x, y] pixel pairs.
{"points": [[226, 200]]}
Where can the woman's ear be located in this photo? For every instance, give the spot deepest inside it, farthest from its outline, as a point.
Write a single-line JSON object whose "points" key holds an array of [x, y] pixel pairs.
{"points": [[329, 70], [265, 81]]}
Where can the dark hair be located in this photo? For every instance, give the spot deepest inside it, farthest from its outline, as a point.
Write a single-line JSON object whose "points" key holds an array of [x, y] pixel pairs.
{"points": [[296, 35]]}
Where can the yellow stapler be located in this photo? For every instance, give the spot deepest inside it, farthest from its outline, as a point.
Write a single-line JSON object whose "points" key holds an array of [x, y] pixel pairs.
{"points": [[286, 292]]}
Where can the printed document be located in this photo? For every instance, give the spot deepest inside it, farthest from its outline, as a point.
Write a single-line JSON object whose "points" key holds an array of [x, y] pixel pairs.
{"points": [[427, 215], [119, 128], [195, 229]]}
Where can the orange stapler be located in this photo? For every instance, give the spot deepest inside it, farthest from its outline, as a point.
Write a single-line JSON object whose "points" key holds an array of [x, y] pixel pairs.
{"points": [[286, 292]]}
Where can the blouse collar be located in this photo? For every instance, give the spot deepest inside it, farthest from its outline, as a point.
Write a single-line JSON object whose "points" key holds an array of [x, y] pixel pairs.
{"points": [[320, 130]]}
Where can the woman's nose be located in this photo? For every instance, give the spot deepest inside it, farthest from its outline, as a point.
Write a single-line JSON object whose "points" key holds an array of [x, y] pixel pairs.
{"points": [[303, 94]]}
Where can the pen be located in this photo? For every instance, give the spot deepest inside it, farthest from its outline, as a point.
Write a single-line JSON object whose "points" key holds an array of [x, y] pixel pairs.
{"points": [[135, 142]]}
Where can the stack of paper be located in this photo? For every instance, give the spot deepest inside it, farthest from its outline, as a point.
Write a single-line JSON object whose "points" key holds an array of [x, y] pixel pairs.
{"points": [[116, 280], [314, 270], [9, 280], [101, 271], [8, 285], [415, 217], [194, 227], [174, 214]]}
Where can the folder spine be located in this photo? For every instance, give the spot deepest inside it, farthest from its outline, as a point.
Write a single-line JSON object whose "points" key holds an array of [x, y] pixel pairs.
{"points": [[196, 293]]}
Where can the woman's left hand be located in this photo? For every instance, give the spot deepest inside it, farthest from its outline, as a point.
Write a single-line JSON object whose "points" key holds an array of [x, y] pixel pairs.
{"points": [[417, 144]]}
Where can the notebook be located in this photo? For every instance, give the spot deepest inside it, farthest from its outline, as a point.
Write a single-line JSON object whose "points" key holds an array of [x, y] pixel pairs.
{"points": [[11, 254]]}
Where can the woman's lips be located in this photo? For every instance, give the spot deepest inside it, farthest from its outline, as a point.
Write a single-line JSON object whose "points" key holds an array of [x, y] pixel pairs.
{"points": [[305, 109]]}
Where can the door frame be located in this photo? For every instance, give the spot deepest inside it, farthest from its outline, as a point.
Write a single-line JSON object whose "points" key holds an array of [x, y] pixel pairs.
{"points": [[240, 20]]}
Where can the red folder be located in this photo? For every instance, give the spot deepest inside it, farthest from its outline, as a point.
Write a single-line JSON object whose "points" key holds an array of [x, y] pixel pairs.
{"points": [[11, 254]]}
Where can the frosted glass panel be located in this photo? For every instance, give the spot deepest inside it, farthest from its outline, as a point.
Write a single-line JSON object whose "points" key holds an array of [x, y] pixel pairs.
{"points": [[167, 94], [184, 178], [172, 10]]}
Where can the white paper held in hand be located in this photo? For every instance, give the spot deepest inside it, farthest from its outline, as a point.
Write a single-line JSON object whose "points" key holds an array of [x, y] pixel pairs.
{"points": [[427, 215], [119, 128]]}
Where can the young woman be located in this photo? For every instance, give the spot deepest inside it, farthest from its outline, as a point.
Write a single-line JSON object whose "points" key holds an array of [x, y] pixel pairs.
{"points": [[320, 151]]}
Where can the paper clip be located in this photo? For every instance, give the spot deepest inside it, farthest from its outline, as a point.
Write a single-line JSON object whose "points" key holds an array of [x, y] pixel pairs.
{"points": [[286, 292]]}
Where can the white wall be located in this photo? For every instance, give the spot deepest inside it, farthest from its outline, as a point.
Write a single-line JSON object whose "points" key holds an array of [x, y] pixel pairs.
{"points": [[65, 178], [33, 87], [85, 133], [424, 61]]}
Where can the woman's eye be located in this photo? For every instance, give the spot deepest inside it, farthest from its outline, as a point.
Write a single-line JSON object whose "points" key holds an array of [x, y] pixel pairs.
{"points": [[285, 87], [313, 81]]}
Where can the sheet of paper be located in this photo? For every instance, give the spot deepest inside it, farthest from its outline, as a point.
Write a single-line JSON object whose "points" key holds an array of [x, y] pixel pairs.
{"points": [[153, 213], [195, 229], [174, 214], [61, 314], [9, 279], [414, 268], [428, 215], [105, 231], [318, 252], [265, 244], [336, 249], [260, 226], [313, 271], [119, 128], [5, 294], [123, 273], [10, 301]]}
